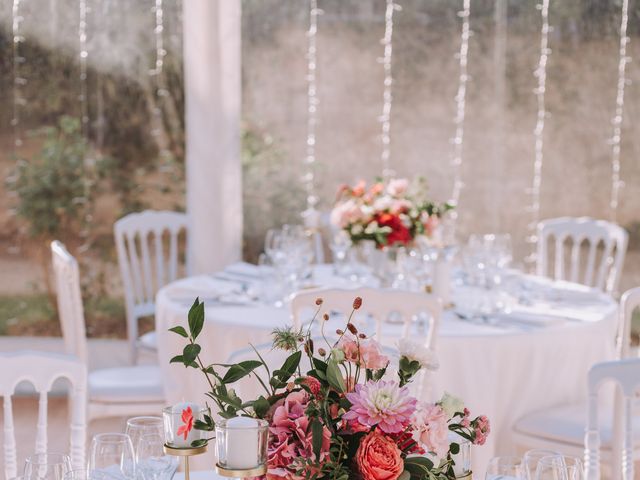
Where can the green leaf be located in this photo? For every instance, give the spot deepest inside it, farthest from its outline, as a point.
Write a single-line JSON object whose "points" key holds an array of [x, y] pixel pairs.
{"points": [[288, 367], [180, 331], [190, 353], [334, 377], [199, 443], [316, 437], [177, 359], [196, 318], [454, 449], [319, 365], [240, 370], [261, 406]]}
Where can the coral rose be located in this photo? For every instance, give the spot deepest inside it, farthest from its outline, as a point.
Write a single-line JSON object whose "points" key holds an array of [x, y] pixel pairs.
{"points": [[378, 457]]}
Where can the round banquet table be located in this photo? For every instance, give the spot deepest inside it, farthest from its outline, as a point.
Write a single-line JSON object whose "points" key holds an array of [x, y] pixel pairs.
{"points": [[535, 357]]}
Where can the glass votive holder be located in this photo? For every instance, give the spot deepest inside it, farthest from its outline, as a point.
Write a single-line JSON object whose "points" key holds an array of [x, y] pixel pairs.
{"points": [[241, 444], [179, 424], [462, 460]]}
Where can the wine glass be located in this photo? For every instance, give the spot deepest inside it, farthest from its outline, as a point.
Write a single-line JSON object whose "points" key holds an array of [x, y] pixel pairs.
{"points": [[340, 245], [112, 453], [559, 467], [531, 459], [504, 468], [46, 466], [139, 426], [151, 461]]}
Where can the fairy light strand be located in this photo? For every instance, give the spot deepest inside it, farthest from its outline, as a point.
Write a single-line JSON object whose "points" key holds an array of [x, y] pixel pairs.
{"points": [[616, 182], [18, 80], [312, 107], [157, 129], [541, 74], [457, 140], [83, 57], [387, 95]]}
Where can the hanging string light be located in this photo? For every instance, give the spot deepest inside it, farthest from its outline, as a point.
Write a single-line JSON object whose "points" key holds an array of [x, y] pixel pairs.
{"points": [[541, 74], [84, 55], [456, 160], [387, 97], [157, 128], [616, 182], [308, 178], [18, 81]]}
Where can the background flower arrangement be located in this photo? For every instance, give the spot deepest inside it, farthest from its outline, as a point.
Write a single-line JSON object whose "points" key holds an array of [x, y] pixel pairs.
{"points": [[337, 411], [393, 212]]}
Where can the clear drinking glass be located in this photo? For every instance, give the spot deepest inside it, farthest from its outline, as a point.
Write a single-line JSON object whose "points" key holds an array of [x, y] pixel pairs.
{"points": [[46, 466], [139, 426], [85, 474], [504, 468], [559, 467], [151, 461], [112, 454], [531, 459]]}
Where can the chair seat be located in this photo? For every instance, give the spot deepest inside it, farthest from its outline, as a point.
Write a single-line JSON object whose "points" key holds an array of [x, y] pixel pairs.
{"points": [[149, 341], [141, 383], [566, 424]]}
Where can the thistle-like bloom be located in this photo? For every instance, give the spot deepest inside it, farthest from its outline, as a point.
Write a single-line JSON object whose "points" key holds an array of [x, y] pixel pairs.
{"points": [[381, 403]]}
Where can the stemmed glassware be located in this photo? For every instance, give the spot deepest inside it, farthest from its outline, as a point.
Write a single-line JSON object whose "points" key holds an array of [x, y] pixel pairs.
{"points": [[46, 466], [504, 468], [147, 438], [532, 458], [112, 454], [559, 467], [340, 246]]}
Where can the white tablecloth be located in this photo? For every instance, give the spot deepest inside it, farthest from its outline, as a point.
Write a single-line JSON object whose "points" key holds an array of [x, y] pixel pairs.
{"points": [[504, 370]]}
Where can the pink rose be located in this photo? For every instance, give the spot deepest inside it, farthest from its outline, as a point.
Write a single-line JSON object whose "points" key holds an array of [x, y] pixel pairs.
{"points": [[431, 429], [365, 353], [378, 457], [397, 186]]}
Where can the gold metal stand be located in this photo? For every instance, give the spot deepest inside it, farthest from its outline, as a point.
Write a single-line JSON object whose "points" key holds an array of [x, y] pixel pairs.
{"points": [[244, 473], [185, 452], [466, 476]]}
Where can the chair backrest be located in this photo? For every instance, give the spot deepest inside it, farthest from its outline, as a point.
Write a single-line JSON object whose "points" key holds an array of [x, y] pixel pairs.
{"points": [[380, 304], [146, 263], [626, 373], [604, 274], [629, 301], [42, 369], [70, 309]]}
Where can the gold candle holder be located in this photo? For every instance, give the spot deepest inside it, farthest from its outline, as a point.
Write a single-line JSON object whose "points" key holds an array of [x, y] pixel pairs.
{"points": [[185, 452], [245, 473]]}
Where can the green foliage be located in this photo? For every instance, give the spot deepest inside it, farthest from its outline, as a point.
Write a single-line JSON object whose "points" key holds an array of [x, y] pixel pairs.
{"points": [[55, 190]]}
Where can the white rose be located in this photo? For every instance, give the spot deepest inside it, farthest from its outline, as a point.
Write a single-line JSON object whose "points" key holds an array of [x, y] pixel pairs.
{"points": [[451, 404], [415, 351]]}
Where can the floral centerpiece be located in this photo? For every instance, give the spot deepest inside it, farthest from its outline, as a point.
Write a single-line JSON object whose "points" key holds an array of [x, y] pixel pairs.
{"points": [[393, 212], [337, 411]]}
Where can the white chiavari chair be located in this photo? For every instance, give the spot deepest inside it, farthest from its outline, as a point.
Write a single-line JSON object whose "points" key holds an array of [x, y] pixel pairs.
{"points": [[147, 263], [42, 369], [626, 374], [562, 428], [603, 274], [131, 390]]}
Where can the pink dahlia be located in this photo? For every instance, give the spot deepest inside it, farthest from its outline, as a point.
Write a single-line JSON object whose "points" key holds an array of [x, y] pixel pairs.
{"points": [[381, 403]]}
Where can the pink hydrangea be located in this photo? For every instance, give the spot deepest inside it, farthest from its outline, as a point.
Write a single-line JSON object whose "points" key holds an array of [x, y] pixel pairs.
{"points": [[431, 429], [381, 403], [365, 353], [290, 438]]}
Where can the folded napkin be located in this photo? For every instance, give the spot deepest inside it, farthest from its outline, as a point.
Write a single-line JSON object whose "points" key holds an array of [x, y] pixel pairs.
{"points": [[203, 287]]}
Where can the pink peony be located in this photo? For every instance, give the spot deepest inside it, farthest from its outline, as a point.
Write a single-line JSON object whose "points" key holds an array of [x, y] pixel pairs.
{"points": [[381, 403], [379, 458], [397, 186], [365, 353], [482, 428], [290, 438], [431, 429]]}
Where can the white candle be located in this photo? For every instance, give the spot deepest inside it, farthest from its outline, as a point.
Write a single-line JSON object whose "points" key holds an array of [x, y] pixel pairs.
{"points": [[182, 434], [242, 443]]}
